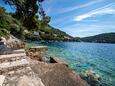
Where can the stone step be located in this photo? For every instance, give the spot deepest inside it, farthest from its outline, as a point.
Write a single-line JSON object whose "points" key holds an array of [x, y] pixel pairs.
{"points": [[12, 57], [2, 79], [9, 66], [18, 51]]}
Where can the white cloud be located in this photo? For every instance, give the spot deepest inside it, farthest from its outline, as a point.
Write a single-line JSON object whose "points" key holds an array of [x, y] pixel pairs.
{"points": [[100, 11], [80, 6]]}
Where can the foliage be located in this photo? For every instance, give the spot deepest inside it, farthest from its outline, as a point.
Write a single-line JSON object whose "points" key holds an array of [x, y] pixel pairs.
{"points": [[50, 33], [4, 33], [2, 10], [26, 11], [32, 37], [11, 24], [101, 38], [46, 32]]}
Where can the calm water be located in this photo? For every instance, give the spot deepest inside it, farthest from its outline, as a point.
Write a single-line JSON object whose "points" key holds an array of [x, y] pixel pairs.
{"points": [[87, 56]]}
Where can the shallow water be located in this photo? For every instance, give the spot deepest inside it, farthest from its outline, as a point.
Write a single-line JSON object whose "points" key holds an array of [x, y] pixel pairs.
{"points": [[86, 56]]}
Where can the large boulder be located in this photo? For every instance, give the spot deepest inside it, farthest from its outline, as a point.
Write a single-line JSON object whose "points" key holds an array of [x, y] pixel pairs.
{"points": [[57, 75]]}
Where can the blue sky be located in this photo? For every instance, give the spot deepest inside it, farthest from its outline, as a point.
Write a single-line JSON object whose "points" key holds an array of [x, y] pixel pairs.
{"points": [[80, 18]]}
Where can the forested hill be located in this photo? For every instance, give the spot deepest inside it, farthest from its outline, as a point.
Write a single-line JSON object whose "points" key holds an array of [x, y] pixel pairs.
{"points": [[101, 38], [48, 34], [11, 25], [51, 33]]}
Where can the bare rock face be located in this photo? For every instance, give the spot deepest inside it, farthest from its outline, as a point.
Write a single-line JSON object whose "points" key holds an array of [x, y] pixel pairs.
{"points": [[7, 45], [14, 43], [57, 75]]}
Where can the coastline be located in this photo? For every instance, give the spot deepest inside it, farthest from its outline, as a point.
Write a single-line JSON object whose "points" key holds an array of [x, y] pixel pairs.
{"points": [[61, 73], [89, 76], [56, 71]]}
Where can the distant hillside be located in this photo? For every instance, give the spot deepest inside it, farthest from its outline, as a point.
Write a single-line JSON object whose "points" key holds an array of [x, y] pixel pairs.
{"points": [[101, 38], [51, 33]]}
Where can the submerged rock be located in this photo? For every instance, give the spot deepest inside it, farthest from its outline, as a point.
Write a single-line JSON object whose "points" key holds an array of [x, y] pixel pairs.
{"points": [[92, 78]]}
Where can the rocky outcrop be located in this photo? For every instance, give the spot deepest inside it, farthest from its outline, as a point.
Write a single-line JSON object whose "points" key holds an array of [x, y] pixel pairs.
{"points": [[15, 43], [12, 42], [9, 44], [57, 75]]}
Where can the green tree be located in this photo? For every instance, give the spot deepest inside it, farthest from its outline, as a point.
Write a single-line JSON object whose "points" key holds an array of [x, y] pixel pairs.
{"points": [[26, 10]]}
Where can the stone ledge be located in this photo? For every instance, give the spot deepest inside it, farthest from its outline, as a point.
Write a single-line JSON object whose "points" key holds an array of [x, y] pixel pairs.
{"points": [[37, 52]]}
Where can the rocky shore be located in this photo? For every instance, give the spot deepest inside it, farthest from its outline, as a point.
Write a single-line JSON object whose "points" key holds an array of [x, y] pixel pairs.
{"points": [[34, 67]]}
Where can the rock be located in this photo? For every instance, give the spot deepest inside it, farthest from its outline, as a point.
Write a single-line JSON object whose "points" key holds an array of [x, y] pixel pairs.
{"points": [[56, 60], [92, 78], [7, 45], [13, 43], [57, 75], [27, 81], [52, 60]]}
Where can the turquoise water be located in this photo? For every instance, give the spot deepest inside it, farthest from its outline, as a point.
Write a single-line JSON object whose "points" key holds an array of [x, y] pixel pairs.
{"points": [[87, 56]]}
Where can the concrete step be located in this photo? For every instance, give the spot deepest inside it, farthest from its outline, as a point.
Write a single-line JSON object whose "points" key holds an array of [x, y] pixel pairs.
{"points": [[12, 57], [18, 51], [9, 66]]}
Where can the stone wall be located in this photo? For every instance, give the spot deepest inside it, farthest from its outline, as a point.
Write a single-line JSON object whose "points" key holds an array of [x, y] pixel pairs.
{"points": [[37, 52]]}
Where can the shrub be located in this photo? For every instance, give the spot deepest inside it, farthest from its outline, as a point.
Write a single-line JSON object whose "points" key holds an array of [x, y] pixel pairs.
{"points": [[4, 33]]}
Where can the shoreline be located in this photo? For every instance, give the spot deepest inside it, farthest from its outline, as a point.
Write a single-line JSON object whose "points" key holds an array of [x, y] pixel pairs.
{"points": [[52, 65], [51, 41], [89, 76]]}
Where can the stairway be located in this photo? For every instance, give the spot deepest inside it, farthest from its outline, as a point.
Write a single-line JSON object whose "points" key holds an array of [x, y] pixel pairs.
{"points": [[13, 66], [13, 61]]}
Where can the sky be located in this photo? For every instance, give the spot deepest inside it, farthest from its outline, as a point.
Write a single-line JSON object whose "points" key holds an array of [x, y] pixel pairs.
{"points": [[80, 18]]}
